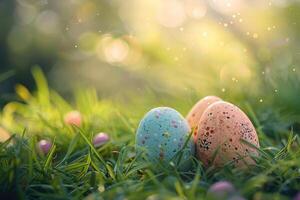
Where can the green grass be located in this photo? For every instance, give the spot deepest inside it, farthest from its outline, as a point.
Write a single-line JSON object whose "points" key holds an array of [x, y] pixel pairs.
{"points": [[74, 169]]}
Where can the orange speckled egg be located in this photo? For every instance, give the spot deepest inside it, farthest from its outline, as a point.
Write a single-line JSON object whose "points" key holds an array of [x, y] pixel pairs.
{"points": [[222, 129], [198, 109]]}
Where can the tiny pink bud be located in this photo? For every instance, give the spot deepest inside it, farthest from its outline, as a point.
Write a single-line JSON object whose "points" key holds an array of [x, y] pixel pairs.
{"points": [[100, 139], [73, 118], [44, 146], [297, 197], [221, 189], [4, 135]]}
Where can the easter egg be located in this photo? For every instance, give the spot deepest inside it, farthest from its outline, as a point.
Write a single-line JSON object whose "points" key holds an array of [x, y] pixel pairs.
{"points": [[100, 139], [198, 109], [44, 146], [226, 134], [297, 197], [220, 190], [4, 135], [162, 133], [73, 118]]}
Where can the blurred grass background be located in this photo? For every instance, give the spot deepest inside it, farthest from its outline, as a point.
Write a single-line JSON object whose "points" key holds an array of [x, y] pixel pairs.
{"points": [[132, 50], [114, 60]]}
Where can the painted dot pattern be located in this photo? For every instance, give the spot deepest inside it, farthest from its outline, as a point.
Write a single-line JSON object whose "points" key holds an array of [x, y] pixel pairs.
{"points": [[198, 109], [162, 133], [223, 126]]}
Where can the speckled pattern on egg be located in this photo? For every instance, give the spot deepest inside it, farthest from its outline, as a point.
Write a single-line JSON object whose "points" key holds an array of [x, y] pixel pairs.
{"points": [[198, 109], [162, 133], [222, 128]]}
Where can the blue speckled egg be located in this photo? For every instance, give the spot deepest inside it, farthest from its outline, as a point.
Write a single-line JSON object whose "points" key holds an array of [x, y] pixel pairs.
{"points": [[162, 133]]}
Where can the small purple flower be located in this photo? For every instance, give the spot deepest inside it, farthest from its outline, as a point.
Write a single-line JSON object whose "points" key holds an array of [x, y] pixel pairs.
{"points": [[221, 189], [44, 146], [297, 197], [100, 139]]}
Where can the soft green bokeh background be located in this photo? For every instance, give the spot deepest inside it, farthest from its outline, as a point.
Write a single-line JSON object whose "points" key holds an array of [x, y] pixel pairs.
{"points": [[237, 49], [113, 60]]}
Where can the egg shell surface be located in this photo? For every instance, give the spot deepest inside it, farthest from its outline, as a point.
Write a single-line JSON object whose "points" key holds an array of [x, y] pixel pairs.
{"points": [[44, 146], [198, 109], [162, 133], [221, 190], [100, 139], [73, 118], [222, 128]]}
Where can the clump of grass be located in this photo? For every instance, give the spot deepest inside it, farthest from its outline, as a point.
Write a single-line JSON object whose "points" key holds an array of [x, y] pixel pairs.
{"points": [[75, 169]]}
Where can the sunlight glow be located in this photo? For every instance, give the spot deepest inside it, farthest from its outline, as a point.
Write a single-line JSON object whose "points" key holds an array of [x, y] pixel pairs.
{"points": [[171, 13], [226, 6], [115, 50], [195, 8]]}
